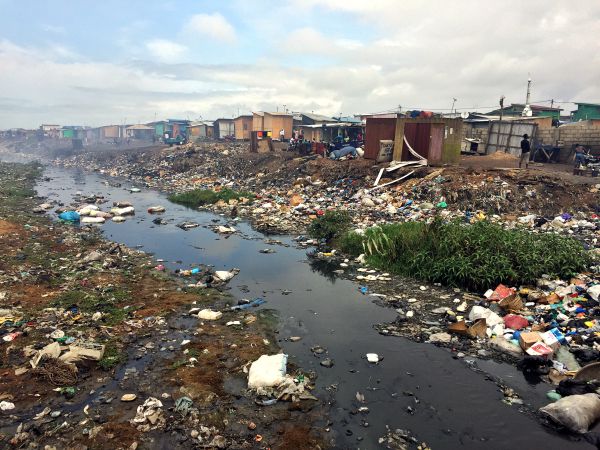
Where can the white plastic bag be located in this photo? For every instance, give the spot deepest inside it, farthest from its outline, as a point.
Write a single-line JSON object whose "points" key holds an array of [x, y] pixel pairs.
{"points": [[267, 371], [207, 314]]}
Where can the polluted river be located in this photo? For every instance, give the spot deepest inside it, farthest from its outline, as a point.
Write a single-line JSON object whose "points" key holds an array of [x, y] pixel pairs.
{"points": [[443, 401]]}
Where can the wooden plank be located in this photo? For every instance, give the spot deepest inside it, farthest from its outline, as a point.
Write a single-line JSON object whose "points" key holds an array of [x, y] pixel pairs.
{"points": [[379, 177]]}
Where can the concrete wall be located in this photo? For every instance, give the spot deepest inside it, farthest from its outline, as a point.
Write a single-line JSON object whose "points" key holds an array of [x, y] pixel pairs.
{"points": [[587, 135]]}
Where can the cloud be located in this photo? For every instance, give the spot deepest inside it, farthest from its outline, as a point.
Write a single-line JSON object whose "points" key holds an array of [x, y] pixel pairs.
{"points": [[165, 51], [213, 26], [381, 55], [53, 29]]}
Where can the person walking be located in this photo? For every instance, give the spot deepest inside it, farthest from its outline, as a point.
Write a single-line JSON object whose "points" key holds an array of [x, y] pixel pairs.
{"points": [[525, 151]]}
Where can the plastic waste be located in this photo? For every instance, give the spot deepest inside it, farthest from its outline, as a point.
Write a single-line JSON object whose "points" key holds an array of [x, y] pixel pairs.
{"points": [[90, 219], [491, 318], [225, 275], [52, 350], [267, 371], [6, 406], [87, 210], [69, 216], [83, 350], [373, 358], [575, 412], [183, 405], [126, 211], [207, 314], [253, 303]]}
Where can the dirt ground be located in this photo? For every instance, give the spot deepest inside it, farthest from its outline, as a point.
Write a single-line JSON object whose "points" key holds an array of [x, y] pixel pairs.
{"points": [[46, 286]]}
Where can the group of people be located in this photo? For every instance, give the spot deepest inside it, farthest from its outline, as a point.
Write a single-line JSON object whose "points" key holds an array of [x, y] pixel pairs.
{"points": [[579, 157]]}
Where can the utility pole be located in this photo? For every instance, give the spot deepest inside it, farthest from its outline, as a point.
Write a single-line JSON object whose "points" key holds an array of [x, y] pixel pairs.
{"points": [[453, 103], [500, 124], [527, 110]]}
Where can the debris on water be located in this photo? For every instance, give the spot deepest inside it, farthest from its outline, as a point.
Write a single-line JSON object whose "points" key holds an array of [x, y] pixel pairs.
{"points": [[328, 362], [187, 225]]}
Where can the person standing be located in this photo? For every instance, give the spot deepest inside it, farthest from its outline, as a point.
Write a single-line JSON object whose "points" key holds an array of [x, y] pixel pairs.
{"points": [[281, 135], [579, 155], [525, 151]]}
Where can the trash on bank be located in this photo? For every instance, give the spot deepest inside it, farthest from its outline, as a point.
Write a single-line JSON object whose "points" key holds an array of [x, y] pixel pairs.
{"points": [[149, 415], [226, 275], [247, 305], [126, 211], [268, 371], [70, 216], [207, 314], [575, 412]]}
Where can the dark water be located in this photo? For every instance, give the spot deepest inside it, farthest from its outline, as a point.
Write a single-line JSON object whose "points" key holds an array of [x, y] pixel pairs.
{"points": [[458, 407]]}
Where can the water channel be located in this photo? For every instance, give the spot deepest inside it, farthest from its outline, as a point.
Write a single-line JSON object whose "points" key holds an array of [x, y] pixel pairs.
{"points": [[458, 406]]}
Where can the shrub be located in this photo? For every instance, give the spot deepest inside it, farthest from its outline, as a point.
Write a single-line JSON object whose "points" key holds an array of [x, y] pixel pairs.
{"points": [[477, 256], [330, 225], [200, 197]]}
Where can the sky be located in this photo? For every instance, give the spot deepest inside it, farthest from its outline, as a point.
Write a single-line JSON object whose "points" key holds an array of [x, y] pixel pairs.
{"points": [[73, 62]]}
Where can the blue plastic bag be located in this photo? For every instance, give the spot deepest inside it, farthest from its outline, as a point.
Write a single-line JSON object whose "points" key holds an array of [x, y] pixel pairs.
{"points": [[69, 216]]}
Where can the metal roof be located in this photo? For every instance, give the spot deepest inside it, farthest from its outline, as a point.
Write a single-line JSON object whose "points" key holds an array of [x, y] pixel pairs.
{"points": [[318, 117]]}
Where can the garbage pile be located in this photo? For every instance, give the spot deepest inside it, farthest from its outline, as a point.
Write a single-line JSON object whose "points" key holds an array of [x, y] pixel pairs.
{"points": [[268, 378], [291, 191]]}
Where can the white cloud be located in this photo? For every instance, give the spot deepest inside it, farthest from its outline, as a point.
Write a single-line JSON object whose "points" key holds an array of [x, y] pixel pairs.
{"points": [[213, 26], [165, 51], [53, 29], [413, 56]]}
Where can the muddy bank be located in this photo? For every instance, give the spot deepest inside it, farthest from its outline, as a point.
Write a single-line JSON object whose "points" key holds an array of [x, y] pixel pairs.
{"points": [[68, 287]]}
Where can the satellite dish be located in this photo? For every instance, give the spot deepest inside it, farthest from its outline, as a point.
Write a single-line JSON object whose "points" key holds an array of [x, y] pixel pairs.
{"points": [[464, 115]]}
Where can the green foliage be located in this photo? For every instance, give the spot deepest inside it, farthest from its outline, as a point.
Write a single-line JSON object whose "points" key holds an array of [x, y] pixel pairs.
{"points": [[90, 302], [200, 197], [179, 363], [351, 243], [330, 225], [477, 256], [112, 357]]}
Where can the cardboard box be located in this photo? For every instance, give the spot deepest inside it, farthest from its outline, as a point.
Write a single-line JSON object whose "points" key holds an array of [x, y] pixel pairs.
{"points": [[527, 339], [540, 349], [553, 338]]}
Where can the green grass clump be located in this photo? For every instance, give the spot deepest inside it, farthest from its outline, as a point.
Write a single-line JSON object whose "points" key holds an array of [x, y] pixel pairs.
{"points": [[477, 256], [201, 197], [90, 302], [113, 356], [330, 225]]}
